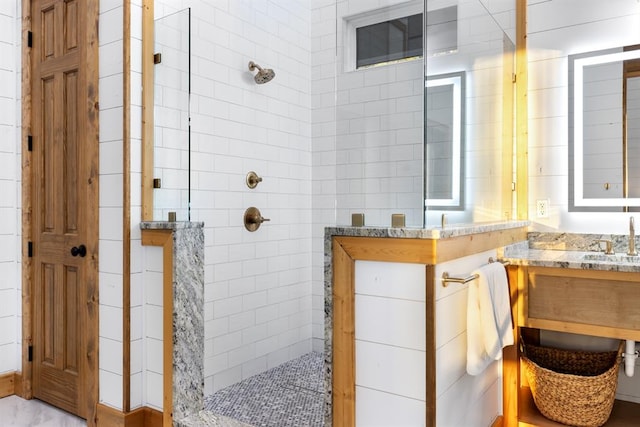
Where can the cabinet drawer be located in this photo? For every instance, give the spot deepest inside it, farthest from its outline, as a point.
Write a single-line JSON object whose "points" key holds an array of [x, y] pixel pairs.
{"points": [[591, 302]]}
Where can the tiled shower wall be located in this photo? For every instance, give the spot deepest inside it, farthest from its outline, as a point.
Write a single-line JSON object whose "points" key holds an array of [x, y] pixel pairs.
{"points": [[10, 177], [258, 309], [323, 111]]}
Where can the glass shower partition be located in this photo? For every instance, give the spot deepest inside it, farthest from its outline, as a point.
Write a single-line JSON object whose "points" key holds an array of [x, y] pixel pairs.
{"points": [[172, 135]]}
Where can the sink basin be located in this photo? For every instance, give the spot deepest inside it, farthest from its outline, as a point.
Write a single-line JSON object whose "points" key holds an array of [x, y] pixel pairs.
{"points": [[619, 258]]}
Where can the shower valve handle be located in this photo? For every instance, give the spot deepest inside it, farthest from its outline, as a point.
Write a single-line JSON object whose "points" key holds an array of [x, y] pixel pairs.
{"points": [[253, 218]]}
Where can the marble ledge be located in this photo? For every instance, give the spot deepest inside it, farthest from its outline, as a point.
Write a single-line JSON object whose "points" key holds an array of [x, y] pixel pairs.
{"points": [[449, 231], [523, 256], [170, 225]]}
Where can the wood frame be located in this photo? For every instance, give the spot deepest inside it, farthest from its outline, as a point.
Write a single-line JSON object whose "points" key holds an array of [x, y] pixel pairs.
{"points": [[147, 108], [345, 251], [126, 207], [522, 112], [141, 417], [164, 239], [90, 319]]}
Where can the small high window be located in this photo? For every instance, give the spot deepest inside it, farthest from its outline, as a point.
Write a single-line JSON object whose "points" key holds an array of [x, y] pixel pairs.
{"points": [[388, 41]]}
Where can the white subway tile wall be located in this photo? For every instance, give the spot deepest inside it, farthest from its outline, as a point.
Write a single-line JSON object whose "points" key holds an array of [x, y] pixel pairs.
{"points": [[111, 202], [10, 179]]}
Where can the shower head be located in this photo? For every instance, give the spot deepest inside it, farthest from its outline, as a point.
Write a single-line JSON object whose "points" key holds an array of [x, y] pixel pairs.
{"points": [[263, 75]]}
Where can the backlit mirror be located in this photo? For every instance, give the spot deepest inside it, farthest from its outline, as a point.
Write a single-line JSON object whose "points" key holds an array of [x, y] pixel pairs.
{"points": [[444, 139], [604, 136]]}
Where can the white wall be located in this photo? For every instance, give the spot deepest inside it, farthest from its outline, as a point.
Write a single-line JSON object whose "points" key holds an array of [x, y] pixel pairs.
{"points": [[10, 188], [390, 340], [111, 204], [462, 399], [390, 348], [556, 30]]}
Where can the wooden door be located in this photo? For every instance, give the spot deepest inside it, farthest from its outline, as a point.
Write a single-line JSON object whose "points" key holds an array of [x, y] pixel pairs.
{"points": [[64, 203]]}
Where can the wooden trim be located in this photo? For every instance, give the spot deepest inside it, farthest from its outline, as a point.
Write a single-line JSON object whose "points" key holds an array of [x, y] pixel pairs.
{"points": [[18, 384], [141, 417], [508, 117], [345, 251], [126, 207], [27, 182], [7, 384], [90, 317], [499, 422], [164, 238], [430, 381], [427, 251], [147, 108], [522, 112], [510, 358], [344, 359]]}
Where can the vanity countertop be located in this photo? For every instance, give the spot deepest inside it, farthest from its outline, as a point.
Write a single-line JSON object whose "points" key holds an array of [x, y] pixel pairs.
{"points": [[449, 231], [519, 255]]}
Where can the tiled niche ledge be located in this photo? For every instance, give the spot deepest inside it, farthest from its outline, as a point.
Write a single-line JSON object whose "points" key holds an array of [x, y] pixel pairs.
{"points": [[183, 315]]}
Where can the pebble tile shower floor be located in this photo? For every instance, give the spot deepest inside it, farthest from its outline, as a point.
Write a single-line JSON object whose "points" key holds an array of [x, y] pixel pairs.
{"points": [[289, 395]]}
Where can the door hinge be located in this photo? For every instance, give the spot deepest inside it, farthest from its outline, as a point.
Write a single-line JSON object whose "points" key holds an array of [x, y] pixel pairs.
{"points": [[30, 143], [30, 249], [29, 39], [514, 78], [30, 353], [157, 58]]}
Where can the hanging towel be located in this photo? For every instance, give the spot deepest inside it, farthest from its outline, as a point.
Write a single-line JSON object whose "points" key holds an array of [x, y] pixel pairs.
{"points": [[489, 323]]}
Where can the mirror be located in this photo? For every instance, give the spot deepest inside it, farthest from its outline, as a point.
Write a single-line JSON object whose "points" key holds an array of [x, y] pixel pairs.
{"points": [[604, 138], [444, 141]]}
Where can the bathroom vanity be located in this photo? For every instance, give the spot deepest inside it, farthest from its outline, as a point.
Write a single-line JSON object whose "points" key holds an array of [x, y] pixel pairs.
{"points": [[436, 249], [582, 292]]}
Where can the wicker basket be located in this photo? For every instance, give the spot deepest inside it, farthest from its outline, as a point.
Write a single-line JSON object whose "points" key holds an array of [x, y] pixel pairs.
{"points": [[576, 388]]}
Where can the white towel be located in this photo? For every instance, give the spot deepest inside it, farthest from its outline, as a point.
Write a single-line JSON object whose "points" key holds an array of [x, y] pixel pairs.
{"points": [[489, 323]]}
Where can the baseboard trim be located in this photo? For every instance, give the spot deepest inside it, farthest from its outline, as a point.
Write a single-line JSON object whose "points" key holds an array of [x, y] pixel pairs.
{"points": [[7, 384], [107, 416], [498, 422]]}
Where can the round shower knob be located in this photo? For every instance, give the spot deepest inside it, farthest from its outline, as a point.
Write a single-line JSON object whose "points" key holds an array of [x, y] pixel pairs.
{"points": [[253, 179], [253, 218]]}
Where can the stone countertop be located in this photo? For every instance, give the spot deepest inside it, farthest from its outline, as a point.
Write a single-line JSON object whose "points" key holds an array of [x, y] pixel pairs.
{"points": [[448, 231], [518, 255], [170, 225]]}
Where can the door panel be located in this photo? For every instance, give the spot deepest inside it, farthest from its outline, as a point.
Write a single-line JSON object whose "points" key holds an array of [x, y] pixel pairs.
{"points": [[64, 203]]}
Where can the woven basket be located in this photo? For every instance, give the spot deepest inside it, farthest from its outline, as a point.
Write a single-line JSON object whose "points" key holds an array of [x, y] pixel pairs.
{"points": [[576, 388]]}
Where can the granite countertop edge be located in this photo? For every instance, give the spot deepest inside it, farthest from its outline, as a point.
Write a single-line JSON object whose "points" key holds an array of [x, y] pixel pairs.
{"points": [[564, 259], [449, 231]]}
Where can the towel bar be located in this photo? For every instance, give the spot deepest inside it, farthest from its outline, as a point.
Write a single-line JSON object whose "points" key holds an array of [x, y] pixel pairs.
{"points": [[446, 279]]}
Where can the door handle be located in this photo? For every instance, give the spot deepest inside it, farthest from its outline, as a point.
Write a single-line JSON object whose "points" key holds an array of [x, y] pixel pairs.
{"points": [[79, 250]]}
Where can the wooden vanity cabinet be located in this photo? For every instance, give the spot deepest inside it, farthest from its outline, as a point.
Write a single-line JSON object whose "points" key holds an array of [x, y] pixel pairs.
{"points": [[588, 302]]}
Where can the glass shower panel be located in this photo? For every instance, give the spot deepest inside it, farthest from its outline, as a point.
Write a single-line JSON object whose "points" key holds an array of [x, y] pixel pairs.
{"points": [[172, 142], [469, 111]]}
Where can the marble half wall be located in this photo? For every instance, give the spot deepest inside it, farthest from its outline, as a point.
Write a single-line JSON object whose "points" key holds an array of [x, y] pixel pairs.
{"points": [[187, 279]]}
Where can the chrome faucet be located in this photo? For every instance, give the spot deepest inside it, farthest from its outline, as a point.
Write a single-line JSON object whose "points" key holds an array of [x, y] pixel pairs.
{"points": [[632, 238]]}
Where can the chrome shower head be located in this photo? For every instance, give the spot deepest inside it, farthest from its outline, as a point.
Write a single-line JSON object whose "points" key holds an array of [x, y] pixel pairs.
{"points": [[263, 75]]}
